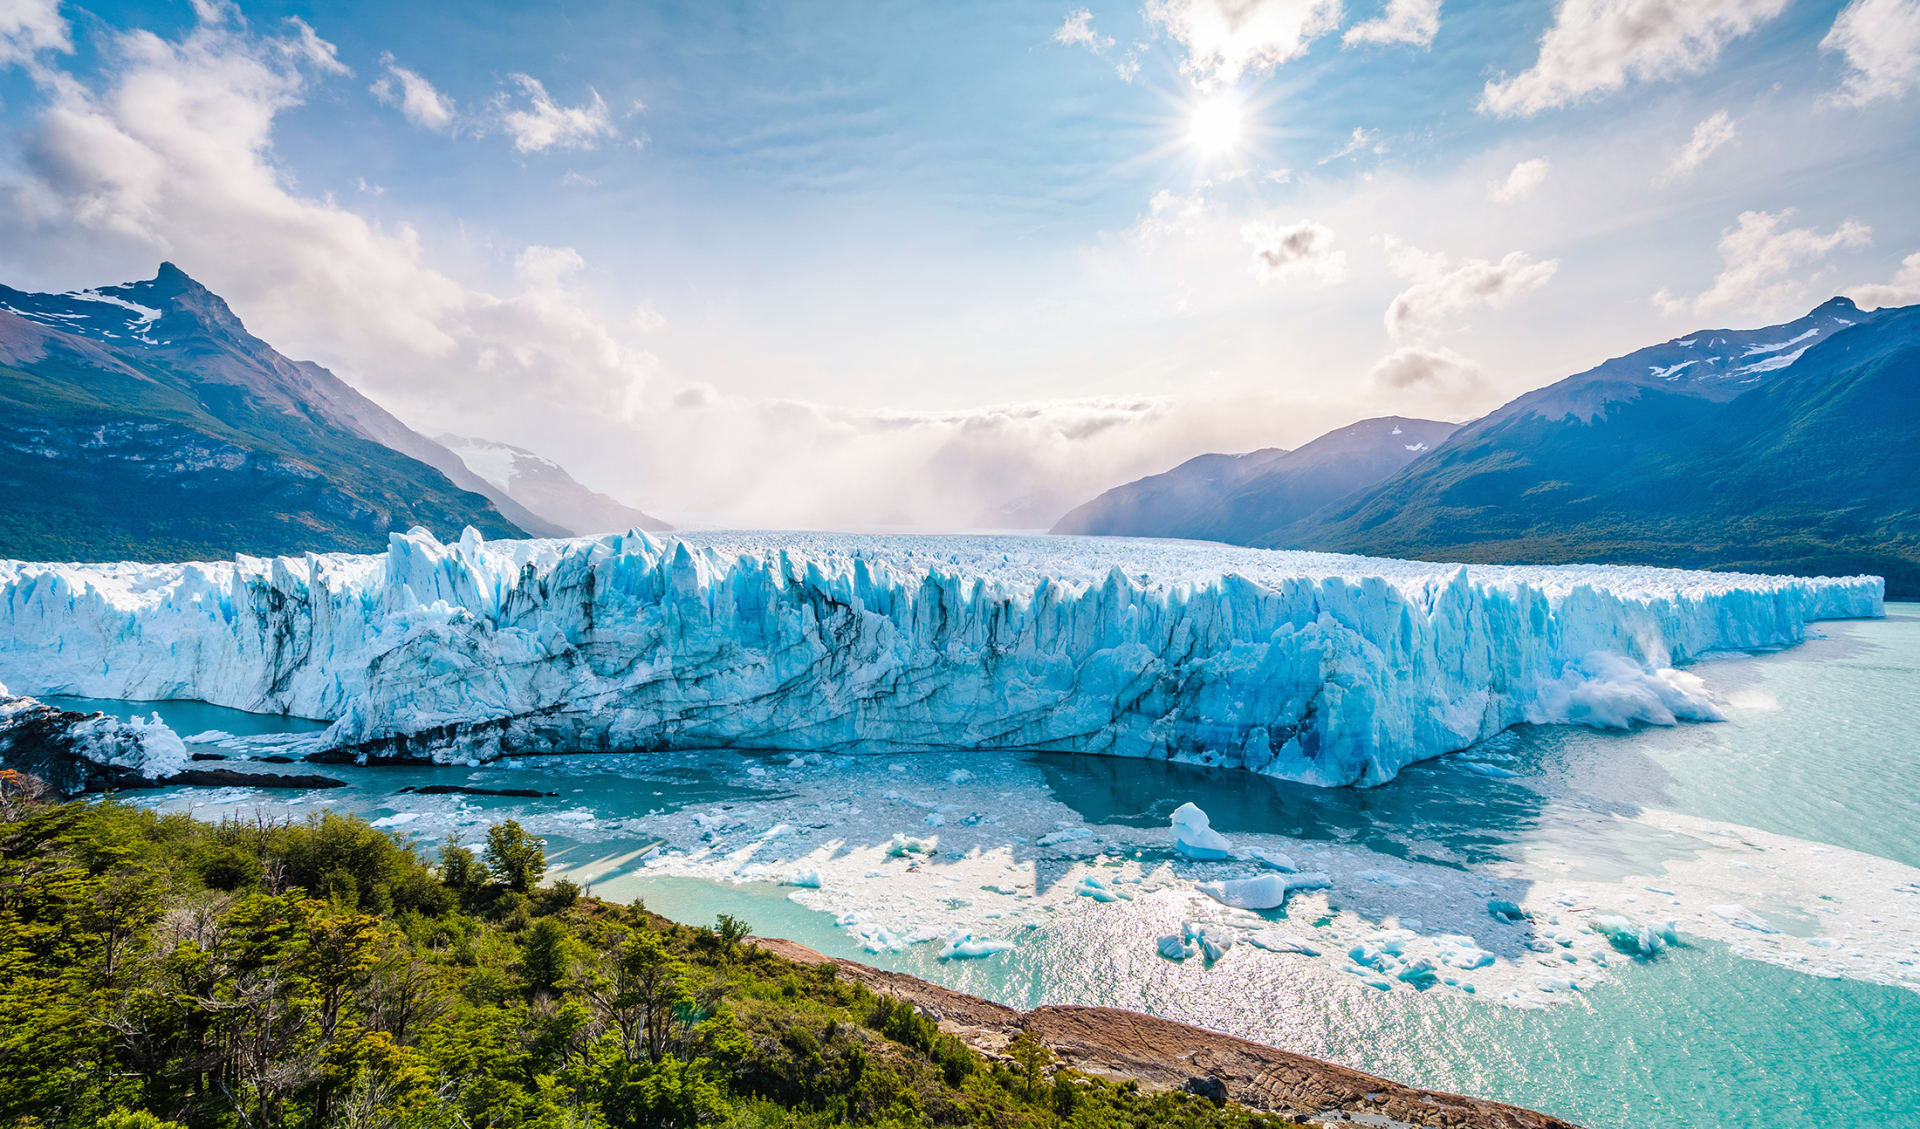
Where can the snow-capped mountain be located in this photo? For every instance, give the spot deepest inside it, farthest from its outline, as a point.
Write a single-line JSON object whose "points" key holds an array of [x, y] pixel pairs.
{"points": [[143, 420], [1243, 498], [545, 487], [1791, 448]]}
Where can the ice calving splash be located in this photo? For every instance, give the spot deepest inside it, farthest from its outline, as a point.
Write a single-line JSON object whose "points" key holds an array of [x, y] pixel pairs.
{"points": [[1311, 667]]}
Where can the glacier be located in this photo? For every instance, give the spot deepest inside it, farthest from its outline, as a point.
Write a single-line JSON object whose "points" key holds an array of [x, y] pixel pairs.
{"points": [[1324, 669]]}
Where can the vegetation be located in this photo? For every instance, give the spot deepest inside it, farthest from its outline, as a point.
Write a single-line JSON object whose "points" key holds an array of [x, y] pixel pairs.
{"points": [[158, 973], [137, 460]]}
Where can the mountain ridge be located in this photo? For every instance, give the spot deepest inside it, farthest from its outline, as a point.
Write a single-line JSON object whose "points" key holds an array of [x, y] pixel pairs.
{"points": [[545, 487], [144, 422], [1782, 448], [1239, 498]]}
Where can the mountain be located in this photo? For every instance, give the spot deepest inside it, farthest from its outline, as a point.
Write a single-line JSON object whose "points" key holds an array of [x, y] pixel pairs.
{"points": [[143, 421], [1793, 448], [1167, 504], [1247, 498], [543, 486]]}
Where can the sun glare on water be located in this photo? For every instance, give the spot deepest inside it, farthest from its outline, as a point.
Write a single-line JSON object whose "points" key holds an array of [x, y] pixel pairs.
{"points": [[1215, 125]]}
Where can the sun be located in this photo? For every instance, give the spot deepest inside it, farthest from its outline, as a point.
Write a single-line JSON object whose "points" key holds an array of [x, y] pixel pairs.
{"points": [[1216, 124]]}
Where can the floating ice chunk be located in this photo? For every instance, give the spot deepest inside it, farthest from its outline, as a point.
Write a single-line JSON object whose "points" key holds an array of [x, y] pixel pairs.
{"points": [[1634, 940], [965, 946], [1419, 973], [1274, 941], [959, 776], [1275, 859], [1387, 878], [209, 737], [1064, 835], [1194, 836], [1740, 917], [1194, 939], [1369, 956], [395, 820], [806, 876], [903, 846], [1457, 951], [1500, 909], [1265, 891], [1092, 887], [1493, 770]]}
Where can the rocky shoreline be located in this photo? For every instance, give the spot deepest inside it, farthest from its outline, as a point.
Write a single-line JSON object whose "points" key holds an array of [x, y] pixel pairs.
{"points": [[1162, 1054]]}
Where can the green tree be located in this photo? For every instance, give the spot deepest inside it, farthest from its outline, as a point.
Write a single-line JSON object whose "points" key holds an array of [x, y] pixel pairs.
{"points": [[731, 931], [459, 868], [517, 860], [546, 954]]}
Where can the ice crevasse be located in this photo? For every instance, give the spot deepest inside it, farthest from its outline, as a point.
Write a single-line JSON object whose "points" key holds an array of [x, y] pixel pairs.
{"points": [[1319, 668]]}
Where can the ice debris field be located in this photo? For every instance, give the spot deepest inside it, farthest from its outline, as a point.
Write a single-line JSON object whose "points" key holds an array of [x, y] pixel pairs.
{"points": [[1321, 669], [995, 885]]}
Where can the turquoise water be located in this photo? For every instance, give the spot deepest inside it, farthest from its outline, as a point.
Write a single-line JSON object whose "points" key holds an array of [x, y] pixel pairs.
{"points": [[1819, 747]]}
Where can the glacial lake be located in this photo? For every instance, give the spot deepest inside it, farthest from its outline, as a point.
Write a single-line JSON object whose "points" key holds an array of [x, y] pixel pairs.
{"points": [[1783, 845]]}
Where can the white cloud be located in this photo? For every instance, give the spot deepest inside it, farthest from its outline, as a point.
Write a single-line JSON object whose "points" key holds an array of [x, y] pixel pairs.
{"points": [[1227, 38], [1881, 42], [647, 319], [1442, 288], [1301, 251], [1903, 290], [1432, 377], [1708, 138], [1413, 22], [545, 124], [1360, 140], [28, 27], [1169, 215], [307, 46], [1078, 31], [168, 153], [1758, 255], [1596, 46], [419, 102], [1520, 183], [546, 269]]}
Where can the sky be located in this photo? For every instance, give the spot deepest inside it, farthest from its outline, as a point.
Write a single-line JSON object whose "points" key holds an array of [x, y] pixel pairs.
{"points": [[960, 266]]}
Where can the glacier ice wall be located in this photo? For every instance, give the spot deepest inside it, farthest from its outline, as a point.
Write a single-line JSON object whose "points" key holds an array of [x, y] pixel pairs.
{"points": [[1318, 668]]}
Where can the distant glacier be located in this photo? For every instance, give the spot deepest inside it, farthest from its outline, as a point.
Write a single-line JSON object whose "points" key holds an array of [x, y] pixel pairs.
{"points": [[1322, 669]]}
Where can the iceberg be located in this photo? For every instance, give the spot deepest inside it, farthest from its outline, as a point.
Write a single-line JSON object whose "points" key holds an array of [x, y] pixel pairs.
{"points": [[1194, 836], [965, 946], [1265, 891], [1323, 669]]}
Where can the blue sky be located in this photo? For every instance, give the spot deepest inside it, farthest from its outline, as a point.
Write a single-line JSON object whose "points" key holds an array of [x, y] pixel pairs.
{"points": [[960, 265]]}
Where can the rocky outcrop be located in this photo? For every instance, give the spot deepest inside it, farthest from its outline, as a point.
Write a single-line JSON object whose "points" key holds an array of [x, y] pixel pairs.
{"points": [[1162, 1054], [73, 753]]}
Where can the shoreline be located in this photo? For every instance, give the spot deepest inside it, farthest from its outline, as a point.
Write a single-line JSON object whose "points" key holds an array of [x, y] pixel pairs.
{"points": [[1165, 1054]]}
